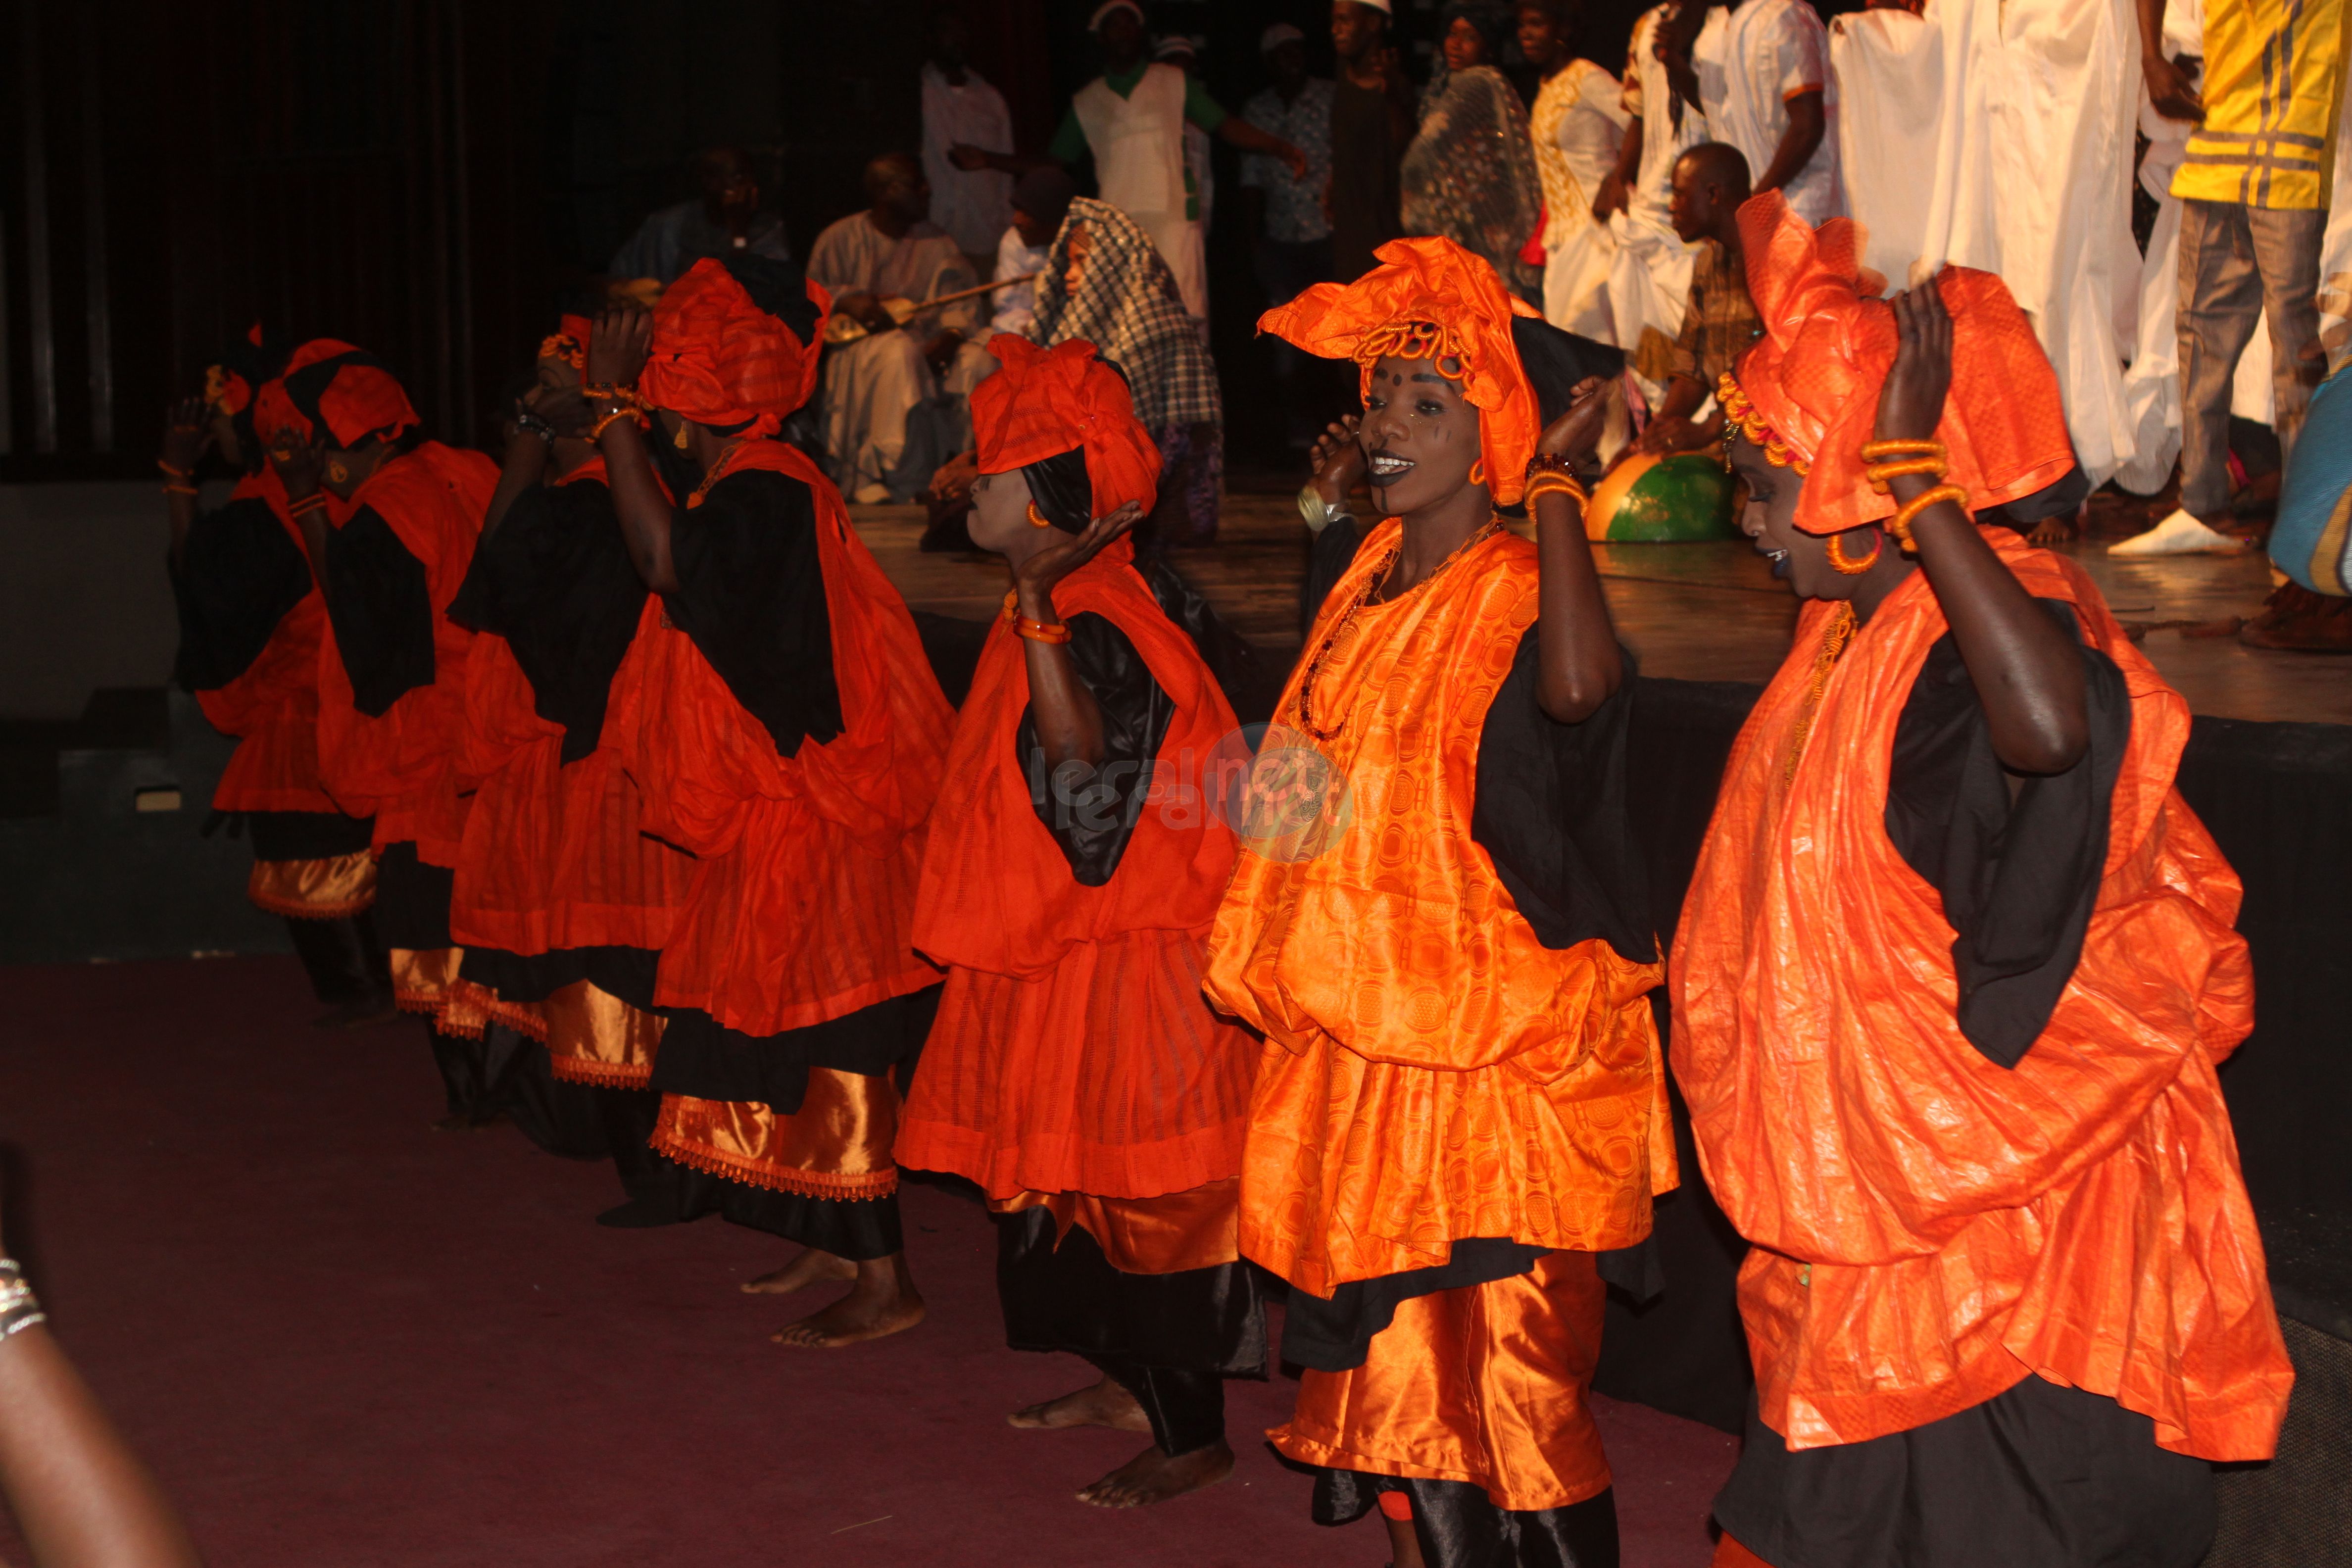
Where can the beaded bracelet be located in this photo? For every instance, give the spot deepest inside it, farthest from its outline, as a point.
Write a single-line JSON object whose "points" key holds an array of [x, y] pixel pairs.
{"points": [[19, 1309], [309, 503], [179, 489], [1036, 631], [607, 391], [596, 431]]}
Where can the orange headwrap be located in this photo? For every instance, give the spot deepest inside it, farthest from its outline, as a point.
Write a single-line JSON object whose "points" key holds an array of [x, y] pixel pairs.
{"points": [[328, 383], [1810, 386], [718, 359], [568, 342], [1045, 402], [1430, 299]]}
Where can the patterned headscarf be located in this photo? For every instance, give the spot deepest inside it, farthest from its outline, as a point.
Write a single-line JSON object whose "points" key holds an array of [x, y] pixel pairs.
{"points": [[332, 386], [1430, 299], [1808, 392], [735, 343], [1045, 402], [1127, 306]]}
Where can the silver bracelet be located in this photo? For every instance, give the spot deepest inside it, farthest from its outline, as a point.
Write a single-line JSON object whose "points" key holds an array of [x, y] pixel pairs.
{"points": [[19, 1309], [1319, 513]]}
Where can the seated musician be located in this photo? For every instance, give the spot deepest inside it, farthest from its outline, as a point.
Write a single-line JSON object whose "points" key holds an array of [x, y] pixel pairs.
{"points": [[893, 400]]}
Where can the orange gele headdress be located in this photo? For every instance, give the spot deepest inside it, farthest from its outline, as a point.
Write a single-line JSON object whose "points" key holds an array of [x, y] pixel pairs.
{"points": [[331, 386], [1808, 393], [735, 343], [1045, 402], [568, 342], [1430, 299]]}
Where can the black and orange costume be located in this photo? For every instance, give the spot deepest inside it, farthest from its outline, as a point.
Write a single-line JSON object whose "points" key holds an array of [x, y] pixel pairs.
{"points": [[250, 623], [1075, 1073], [785, 728], [560, 904], [1950, 1039], [1439, 924], [392, 666]]}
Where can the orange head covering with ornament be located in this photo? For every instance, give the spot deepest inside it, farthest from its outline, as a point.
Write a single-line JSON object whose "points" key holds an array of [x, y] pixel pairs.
{"points": [[333, 387], [1046, 402], [568, 342], [1808, 393], [1430, 299], [735, 343]]}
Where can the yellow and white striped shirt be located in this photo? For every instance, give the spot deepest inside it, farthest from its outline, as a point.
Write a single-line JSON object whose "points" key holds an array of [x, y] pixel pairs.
{"points": [[2273, 80]]}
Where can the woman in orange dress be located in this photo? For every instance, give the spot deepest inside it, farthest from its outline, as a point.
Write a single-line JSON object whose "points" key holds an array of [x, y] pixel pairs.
{"points": [[1074, 862], [560, 904], [250, 621], [1439, 924], [389, 524], [1953, 978], [786, 730]]}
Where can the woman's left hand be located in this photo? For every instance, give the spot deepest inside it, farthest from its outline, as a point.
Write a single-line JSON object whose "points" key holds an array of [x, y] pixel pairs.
{"points": [[618, 344], [298, 464], [1576, 433], [1911, 404], [1034, 581]]}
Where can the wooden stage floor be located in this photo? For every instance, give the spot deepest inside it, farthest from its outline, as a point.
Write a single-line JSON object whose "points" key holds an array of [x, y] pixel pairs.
{"points": [[1698, 612]]}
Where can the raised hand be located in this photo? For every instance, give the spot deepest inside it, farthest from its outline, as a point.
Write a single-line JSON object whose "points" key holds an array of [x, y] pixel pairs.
{"points": [[1338, 457], [184, 436], [1577, 431], [1035, 579], [618, 344], [1911, 404], [298, 464]]}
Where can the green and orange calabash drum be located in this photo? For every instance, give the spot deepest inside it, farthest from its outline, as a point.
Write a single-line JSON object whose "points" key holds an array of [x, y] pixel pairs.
{"points": [[1647, 500]]}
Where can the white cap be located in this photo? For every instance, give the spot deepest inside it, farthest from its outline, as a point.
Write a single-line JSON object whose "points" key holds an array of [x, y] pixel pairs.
{"points": [[1382, 7], [1274, 38], [1094, 22]]}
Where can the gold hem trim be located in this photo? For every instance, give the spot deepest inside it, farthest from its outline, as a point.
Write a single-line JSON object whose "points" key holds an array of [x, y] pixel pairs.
{"points": [[601, 1075], [802, 1183], [324, 889]]}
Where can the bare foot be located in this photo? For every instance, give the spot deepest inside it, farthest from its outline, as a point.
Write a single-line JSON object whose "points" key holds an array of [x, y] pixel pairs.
{"points": [[1107, 1403], [802, 1272], [883, 1302], [1153, 1476], [2053, 532]]}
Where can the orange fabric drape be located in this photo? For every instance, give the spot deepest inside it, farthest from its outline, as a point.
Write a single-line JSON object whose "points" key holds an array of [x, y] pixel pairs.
{"points": [[552, 856], [1433, 1072], [1930, 1228], [273, 708], [400, 767], [803, 896], [1073, 1051], [1484, 1383], [836, 1147]]}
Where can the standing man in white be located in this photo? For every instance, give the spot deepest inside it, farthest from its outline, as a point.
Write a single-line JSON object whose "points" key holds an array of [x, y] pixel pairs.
{"points": [[961, 109], [1760, 69], [1579, 124], [1651, 277], [1131, 119]]}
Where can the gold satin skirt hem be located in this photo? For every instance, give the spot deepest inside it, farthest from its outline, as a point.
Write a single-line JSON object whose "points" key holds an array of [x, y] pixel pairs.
{"points": [[601, 1075], [594, 1038], [314, 889], [421, 978], [800, 1183], [1307, 1451], [466, 1008]]}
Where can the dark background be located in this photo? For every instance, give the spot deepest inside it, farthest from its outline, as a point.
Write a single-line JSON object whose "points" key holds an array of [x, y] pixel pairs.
{"points": [[425, 178]]}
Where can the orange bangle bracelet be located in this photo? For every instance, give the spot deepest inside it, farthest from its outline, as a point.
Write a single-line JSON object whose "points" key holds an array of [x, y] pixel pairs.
{"points": [[1036, 631], [1899, 525], [596, 431], [1552, 482], [179, 489], [1878, 474], [1872, 451]]}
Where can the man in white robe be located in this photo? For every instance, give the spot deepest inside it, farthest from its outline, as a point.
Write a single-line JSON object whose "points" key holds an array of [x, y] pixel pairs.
{"points": [[1760, 69], [961, 109], [1999, 134], [894, 398], [1651, 277]]}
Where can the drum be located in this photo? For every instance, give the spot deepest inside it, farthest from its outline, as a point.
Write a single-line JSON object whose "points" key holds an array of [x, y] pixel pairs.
{"points": [[1648, 499]]}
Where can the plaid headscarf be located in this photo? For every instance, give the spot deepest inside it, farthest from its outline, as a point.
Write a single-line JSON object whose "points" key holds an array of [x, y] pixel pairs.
{"points": [[1126, 307]]}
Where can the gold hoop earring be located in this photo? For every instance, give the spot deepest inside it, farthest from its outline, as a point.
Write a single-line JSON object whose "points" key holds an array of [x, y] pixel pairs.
{"points": [[1038, 519], [1839, 563], [1478, 470]]}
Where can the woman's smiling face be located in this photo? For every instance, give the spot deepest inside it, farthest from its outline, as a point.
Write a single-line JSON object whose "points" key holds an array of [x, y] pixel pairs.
{"points": [[1420, 436], [1768, 518]]}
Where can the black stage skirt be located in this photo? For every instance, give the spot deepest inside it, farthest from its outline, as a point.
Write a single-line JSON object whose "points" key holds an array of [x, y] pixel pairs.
{"points": [[412, 900], [1070, 1298], [2040, 1476]]}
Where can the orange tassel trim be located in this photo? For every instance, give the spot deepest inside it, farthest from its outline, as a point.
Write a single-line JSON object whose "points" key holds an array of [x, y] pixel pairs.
{"points": [[601, 1075]]}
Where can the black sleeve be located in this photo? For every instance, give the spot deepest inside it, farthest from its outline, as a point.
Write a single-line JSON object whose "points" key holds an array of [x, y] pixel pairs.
{"points": [[1092, 812], [2019, 874], [381, 608], [752, 595], [1328, 555], [1551, 813], [237, 580], [555, 580]]}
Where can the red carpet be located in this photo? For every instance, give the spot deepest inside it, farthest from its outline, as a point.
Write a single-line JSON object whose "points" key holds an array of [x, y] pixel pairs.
{"points": [[343, 1339]]}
